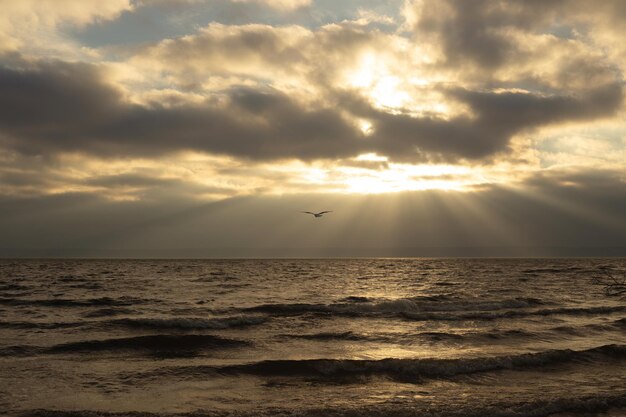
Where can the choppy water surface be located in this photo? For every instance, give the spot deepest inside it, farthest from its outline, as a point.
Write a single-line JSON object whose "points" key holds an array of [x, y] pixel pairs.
{"points": [[370, 337]]}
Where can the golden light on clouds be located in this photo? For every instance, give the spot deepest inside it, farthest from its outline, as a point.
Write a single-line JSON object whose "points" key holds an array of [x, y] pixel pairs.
{"points": [[418, 122], [400, 178], [407, 97], [380, 76], [373, 76]]}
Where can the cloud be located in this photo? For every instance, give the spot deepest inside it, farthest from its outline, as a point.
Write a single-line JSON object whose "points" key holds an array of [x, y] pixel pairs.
{"points": [[33, 24], [60, 107], [186, 134], [255, 51], [566, 82], [190, 176], [475, 83], [600, 145], [476, 30], [496, 117], [288, 57], [514, 41], [51, 107]]}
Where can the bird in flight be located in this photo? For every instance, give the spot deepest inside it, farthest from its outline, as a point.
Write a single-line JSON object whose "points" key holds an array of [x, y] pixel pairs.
{"points": [[320, 214]]}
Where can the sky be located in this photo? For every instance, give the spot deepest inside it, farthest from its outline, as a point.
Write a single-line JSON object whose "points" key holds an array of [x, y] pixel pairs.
{"points": [[202, 128]]}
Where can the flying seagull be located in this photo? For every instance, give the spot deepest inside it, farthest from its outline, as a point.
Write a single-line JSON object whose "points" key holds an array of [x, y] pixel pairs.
{"points": [[320, 214]]}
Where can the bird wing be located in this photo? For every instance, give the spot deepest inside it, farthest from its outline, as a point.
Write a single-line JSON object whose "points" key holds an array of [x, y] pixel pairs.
{"points": [[307, 212], [324, 212]]}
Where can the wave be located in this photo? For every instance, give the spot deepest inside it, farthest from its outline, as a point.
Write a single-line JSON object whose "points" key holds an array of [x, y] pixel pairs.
{"points": [[364, 306], [161, 344], [191, 323], [38, 325], [356, 299], [402, 370], [154, 343], [586, 329], [423, 310], [65, 302], [332, 336], [553, 270], [493, 334], [12, 287], [289, 309], [583, 406], [108, 312], [487, 335], [20, 350], [582, 330], [566, 311]]}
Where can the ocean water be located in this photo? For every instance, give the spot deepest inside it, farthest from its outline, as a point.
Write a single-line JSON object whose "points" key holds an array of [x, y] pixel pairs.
{"points": [[339, 337]]}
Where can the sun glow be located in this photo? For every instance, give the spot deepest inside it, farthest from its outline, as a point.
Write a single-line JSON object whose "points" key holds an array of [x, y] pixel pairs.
{"points": [[371, 157], [377, 77], [403, 177], [373, 76]]}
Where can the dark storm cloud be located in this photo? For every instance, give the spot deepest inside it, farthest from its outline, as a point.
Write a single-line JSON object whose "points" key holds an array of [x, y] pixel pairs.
{"points": [[51, 97], [54, 107], [68, 107], [519, 109], [498, 116]]}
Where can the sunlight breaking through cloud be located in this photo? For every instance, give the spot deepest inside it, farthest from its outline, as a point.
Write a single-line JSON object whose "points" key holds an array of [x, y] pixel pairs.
{"points": [[207, 101]]}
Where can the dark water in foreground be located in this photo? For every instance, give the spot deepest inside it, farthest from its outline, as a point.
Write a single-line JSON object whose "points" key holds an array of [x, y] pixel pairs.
{"points": [[366, 337]]}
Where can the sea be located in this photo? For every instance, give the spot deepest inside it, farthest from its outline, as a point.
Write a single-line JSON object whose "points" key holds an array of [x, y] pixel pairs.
{"points": [[312, 337]]}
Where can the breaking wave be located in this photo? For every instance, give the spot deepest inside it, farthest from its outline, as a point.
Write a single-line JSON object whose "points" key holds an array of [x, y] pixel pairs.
{"points": [[422, 309], [38, 325], [156, 343], [333, 336], [405, 370], [65, 302], [169, 345], [488, 335], [191, 323], [552, 270], [565, 311], [363, 306], [108, 312]]}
